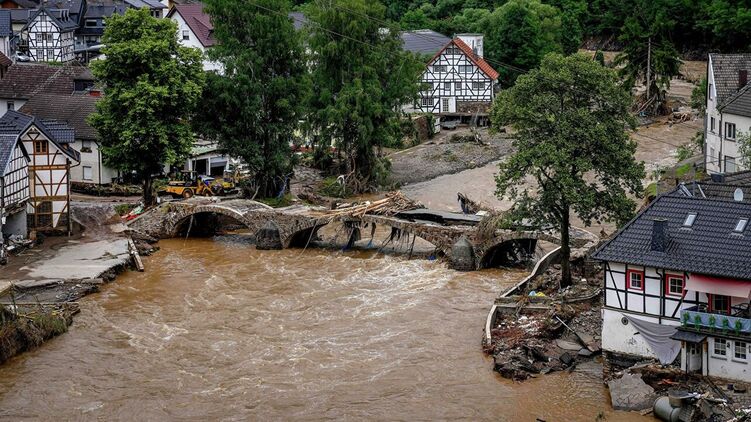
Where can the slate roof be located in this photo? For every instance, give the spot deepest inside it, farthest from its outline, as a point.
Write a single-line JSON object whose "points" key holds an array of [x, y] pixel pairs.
{"points": [[738, 103], [474, 58], [151, 4], [299, 20], [709, 247], [198, 22], [63, 24], [423, 41], [15, 123], [7, 145], [24, 80], [725, 68], [102, 11], [73, 110], [6, 27]]}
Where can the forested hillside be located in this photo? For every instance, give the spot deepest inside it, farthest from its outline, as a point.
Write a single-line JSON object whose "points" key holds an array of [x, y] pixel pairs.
{"points": [[520, 32]]}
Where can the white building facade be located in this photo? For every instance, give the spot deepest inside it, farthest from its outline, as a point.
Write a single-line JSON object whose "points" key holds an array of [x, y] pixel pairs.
{"points": [[49, 36], [728, 111], [677, 286], [14, 186], [194, 29], [457, 80]]}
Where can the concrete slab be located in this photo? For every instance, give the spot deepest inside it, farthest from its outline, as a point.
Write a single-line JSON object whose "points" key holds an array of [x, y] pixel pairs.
{"points": [[81, 260]]}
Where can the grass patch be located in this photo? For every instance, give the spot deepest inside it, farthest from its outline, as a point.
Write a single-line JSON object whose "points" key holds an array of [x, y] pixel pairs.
{"points": [[683, 170], [284, 201], [650, 190], [330, 187]]}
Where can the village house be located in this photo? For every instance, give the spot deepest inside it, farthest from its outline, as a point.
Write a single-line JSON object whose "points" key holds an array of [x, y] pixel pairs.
{"points": [[51, 158], [728, 111], [14, 186], [48, 36], [195, 30], [678, 282], [459, 85]]}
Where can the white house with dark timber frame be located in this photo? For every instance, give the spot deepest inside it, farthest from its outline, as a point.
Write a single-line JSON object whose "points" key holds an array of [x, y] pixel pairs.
{"points": [[50, 160], [678, 283], [457, 82], [49, 36], [14, 186]]}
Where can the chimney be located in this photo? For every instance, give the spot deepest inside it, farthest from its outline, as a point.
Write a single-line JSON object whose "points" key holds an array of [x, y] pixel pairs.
{"points": [[474, 41], [660, 235], [742, 78]]}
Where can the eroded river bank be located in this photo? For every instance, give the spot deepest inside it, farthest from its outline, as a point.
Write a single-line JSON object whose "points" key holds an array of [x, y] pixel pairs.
{"points": [[217, 330]]}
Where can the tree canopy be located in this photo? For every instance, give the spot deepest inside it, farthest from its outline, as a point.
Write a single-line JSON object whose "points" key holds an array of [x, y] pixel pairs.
{"points": [[255, 106], [360, 82], [151, 85], [570, 117]]}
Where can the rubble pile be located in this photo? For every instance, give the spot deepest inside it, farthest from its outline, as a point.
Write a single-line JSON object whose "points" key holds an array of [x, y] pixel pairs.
{"points": [[545, 330]]}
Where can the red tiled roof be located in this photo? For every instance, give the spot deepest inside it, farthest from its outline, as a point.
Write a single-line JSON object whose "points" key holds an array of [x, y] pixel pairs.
{"points": [[198, 22], [474, 58]]}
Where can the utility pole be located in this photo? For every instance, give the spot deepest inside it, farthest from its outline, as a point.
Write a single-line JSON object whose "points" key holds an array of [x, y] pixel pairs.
{"points": [[649, 64]]}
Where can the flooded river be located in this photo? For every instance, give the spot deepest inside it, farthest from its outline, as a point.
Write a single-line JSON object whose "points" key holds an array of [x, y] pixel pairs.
{"points": [[215, 330]]}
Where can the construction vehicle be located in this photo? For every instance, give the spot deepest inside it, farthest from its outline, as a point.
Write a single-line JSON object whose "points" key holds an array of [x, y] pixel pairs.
{"points": [[188, 183]]}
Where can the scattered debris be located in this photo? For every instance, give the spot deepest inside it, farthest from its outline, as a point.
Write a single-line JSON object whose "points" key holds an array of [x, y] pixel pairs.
{"points": [[630, 392]]}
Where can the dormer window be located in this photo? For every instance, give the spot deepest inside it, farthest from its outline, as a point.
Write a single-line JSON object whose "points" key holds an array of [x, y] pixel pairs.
{"points": [[689, 221], [741, 225]]}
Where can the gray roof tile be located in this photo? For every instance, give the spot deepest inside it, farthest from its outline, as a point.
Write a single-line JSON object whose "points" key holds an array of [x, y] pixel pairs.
{"points": [[725, 68], [709, 247], [7, 145], [423, 41]]}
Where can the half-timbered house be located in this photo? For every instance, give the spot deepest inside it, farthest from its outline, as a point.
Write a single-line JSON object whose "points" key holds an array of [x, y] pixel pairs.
{"points": [[49, 35], [50, 160], [14, 186], [678, 283], [458, 84]]}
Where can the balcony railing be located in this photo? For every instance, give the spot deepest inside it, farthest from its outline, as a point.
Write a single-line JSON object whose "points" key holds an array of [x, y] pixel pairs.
{"points": [[697, 318]]}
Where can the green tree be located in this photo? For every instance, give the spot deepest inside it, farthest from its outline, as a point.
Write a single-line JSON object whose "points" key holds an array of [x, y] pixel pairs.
{"points": [[520, 33], [570, 117], [360, 80], [646, 41], [255, 106], [152, 85], [699, 96]]}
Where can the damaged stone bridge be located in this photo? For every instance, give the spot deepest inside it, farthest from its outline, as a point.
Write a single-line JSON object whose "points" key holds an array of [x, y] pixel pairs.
{"points": [[453, 235]]}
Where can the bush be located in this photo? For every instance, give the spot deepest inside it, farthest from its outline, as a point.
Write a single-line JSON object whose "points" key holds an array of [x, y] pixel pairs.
{"points": [[331, 187]]}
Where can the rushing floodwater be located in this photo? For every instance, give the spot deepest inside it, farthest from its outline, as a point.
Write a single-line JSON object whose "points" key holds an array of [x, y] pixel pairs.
{"points": [[215, 330]]}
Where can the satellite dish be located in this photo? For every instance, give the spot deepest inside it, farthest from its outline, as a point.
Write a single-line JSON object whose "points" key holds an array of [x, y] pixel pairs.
{"points": [[738, 194]]}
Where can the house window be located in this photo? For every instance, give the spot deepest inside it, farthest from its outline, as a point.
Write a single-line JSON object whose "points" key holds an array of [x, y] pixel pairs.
{"points": [[720, 348], [439, 68], [186, 35], [458, 87], [711, 97], [87, 173], [635, 280], [740, 349], [445, 105], [689, 221], [427, 101], [40, 147], [730, 131], [11, 105], [675, 284], [47, 36], [478, 86], [40, 54], [465, 68], [43, 18], [719, 304], [90, 23], [85, 146], [741, 225], [711, 124], [730, 166]]}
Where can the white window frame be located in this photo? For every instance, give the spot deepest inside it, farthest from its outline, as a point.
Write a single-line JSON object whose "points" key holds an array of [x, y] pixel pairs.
{"points": [[445, 105], [723, 353], [478, 86], [466, 68], [730, 131], [681, 280], [91, 173], [427, 101], [711, 124], [186, 35], [441, 68], [740, 350], [730, 160]]}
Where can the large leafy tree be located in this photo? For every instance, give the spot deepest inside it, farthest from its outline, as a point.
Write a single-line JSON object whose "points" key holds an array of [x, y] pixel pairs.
{"points": [[646, 44], [519, 34], [361, 78], [570, 116], [151, 85], [255, 106]]}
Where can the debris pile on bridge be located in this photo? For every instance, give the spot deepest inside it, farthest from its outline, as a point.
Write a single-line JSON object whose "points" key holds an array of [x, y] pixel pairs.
{"points": [[392, 204]]}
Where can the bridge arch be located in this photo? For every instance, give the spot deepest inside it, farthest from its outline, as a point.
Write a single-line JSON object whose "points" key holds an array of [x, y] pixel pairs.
{"points": [[200, 215], [511, 246]]}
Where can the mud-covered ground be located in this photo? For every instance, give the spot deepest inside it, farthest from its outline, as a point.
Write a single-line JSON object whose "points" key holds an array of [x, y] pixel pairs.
{"points": [[450, 151]]}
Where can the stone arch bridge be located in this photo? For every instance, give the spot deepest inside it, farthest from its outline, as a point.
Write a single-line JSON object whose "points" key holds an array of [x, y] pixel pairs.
{"points": [[294, 226]]}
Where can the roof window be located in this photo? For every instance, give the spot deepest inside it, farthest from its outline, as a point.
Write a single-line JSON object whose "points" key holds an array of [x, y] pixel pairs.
{"points": [[741, 226], [690, 218]]}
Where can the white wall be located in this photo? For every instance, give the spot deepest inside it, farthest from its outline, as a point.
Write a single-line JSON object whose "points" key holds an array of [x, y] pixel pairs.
{"points": [[4, 104], [727, 366], [620, 338], [93, 160], [193, 41]]}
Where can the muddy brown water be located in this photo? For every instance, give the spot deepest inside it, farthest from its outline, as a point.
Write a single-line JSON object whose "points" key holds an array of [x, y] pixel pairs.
{"points": [[215, 330]]}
